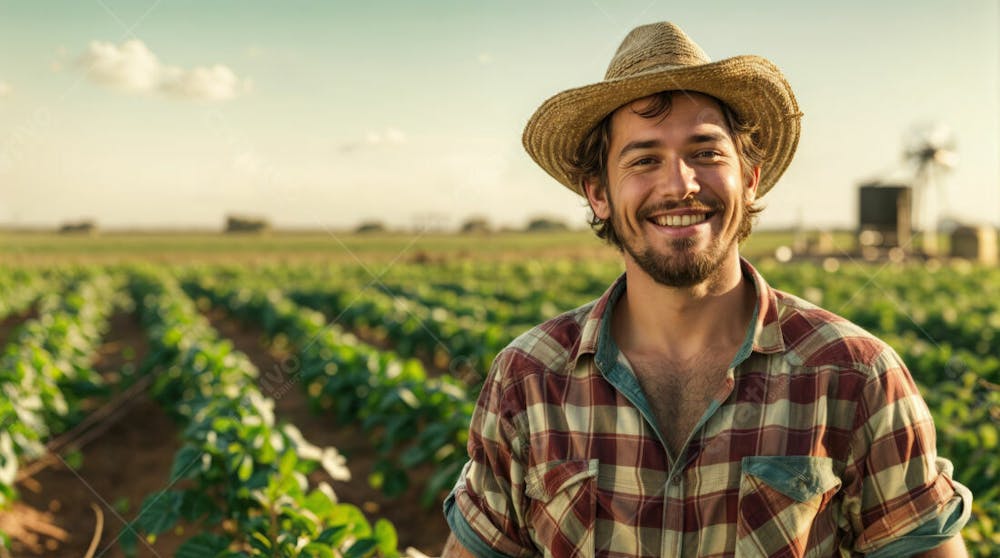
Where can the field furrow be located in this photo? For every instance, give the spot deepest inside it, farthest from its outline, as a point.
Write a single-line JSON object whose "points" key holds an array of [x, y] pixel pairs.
{"points": [[280, 380]]}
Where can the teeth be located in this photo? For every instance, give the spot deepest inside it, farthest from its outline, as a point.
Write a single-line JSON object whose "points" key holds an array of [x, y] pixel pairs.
{"points": [[680, 220]]}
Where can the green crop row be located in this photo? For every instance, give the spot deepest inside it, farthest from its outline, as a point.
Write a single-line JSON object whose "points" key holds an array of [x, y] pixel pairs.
{"points": [[46, 371], [418, 420], [240, 477], [414, 330], [457, 316], [946, 306], [967, 413], [20, 289]]}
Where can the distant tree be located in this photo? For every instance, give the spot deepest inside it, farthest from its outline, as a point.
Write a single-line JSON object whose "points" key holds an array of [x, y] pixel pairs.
{"points": [[237, 224], [78, 227], [371, 227], [546, 224], [474, 225]]}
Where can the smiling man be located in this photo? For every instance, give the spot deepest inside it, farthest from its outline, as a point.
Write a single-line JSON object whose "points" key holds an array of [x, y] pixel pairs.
{"points": [[692, 410]]}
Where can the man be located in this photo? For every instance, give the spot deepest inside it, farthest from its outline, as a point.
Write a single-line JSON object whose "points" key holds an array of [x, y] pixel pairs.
{"points": [[692, 410]]}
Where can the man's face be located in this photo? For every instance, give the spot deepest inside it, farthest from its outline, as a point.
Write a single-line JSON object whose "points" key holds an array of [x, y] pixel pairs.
{"points": [[675, 194]]}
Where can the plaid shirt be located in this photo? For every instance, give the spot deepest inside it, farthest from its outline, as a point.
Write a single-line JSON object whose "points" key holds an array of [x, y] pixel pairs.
{"points": [[817, 444]]}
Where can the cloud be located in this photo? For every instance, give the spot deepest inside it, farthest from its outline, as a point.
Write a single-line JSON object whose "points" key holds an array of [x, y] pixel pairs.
{"points": [[373, 138], [131, 67], [217, 83], [5, 89]]}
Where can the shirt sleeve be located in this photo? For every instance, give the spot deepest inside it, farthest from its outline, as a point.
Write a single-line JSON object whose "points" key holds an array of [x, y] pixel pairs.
{"points": [[485, 510], [898, 493]]}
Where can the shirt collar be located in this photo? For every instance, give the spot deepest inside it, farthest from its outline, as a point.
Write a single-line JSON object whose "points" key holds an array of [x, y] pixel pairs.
{"points": [[767, 337], [595, 338], [590, 336]]}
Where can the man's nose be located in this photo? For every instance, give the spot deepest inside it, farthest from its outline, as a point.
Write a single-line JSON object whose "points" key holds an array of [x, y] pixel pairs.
{"points": [[677, 180]]}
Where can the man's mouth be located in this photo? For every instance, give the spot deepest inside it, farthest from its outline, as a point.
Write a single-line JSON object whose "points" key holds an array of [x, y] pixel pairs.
{"points": [[680, 220]]}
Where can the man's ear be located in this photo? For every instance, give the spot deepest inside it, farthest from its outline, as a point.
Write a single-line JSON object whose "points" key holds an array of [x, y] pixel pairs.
{"points": [[751, 187], [597, 196]]}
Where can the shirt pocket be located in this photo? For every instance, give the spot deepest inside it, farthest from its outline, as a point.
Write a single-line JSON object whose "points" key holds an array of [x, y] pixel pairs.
{"points": [[782, 500], [563, 506]]}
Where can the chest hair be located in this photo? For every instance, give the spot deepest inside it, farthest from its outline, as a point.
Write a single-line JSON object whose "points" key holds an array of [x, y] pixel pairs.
{"points": [[679, 391]]}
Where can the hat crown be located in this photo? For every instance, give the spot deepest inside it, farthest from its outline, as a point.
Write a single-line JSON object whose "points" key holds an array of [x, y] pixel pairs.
{"points": [[654, 46]]}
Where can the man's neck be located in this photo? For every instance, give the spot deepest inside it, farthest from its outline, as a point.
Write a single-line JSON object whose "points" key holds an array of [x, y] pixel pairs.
{"points": [[712, 314]]}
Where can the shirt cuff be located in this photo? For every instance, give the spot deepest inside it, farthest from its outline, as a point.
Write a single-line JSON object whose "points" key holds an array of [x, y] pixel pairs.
{"points": [[465, 534], [935, 531]]}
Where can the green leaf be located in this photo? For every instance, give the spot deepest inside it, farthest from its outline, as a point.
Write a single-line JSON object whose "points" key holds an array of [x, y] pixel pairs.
{"points": [[260, 541], [988, 436], [317, 550], [267, 452], [352, 517], [287, 463], [129, 541], [196, 504], [185, 463], [361, 548], [74, 459], [388, 541], [333, 536], [222, 424], [396, 482], [204, 545], [442, 479], [318, 503], [122, 505], [300, 522], [246, 468], [159, 512], [415, 455], [258, 479]]}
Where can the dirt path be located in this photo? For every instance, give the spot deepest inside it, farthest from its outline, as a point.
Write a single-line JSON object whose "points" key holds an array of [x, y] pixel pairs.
{"points": [[419, 527], [119, 468]]}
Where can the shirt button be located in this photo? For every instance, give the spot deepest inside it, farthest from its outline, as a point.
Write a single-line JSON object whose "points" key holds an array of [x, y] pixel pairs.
{"points": [[676, 481]]}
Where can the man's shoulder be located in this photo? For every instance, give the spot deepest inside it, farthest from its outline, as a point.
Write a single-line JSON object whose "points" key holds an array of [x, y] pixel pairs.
{"points": [[552, 346], [814, 336]]}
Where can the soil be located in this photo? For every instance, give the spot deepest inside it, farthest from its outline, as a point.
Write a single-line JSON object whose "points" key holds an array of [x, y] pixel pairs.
{"points": [[120, 467], [422, 528], [10, 323]]}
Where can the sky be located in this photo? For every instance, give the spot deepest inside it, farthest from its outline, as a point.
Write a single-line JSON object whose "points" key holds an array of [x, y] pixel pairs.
{"points": [[171, 113]]}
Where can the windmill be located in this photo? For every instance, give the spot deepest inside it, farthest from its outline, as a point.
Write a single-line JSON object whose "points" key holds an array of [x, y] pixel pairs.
{"points": [[931, 150]]}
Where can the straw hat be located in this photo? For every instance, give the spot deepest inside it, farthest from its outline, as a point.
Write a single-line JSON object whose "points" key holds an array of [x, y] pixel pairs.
{"points": [[660, 57]]}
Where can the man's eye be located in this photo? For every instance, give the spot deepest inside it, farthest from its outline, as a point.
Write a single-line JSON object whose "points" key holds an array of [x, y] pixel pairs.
{"points": [[644, 161], [707, 154]]}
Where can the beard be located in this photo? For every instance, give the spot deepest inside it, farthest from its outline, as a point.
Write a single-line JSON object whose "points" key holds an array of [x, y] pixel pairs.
{"points": [[682, 265]]}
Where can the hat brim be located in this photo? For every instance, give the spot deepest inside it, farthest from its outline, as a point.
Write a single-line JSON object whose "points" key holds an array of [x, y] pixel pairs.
{"points": [[752, 86]]}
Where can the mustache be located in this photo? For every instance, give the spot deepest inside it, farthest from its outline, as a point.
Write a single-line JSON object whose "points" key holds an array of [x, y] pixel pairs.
{"points": [[708, 206]]}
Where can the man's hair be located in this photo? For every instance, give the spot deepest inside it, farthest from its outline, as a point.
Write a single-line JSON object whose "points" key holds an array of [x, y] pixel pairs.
{"points": [[591, 157]]}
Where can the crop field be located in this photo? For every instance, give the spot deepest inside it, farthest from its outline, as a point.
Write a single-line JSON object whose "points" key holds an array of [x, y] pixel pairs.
{"points": [[300, 405]]}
